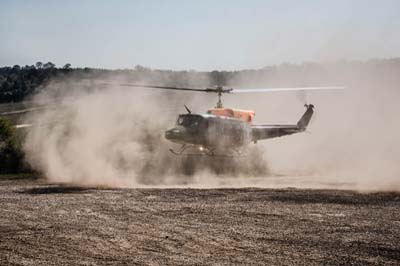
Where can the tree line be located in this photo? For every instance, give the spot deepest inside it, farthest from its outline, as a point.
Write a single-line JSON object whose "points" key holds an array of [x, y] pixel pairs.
{"points": [[17, 83]]}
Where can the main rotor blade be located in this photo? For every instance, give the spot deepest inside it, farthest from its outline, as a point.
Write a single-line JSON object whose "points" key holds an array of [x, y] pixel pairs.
{"points": [[160, 87], [23, 111], [286, 89], [23, 126]]}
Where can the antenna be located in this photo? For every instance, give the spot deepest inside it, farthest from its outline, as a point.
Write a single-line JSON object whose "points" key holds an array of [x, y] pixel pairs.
{"points": [[187, 109]]}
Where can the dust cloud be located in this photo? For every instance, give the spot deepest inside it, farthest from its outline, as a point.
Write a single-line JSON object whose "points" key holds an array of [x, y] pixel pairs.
{"points": [[114, 136], [353, 139]]}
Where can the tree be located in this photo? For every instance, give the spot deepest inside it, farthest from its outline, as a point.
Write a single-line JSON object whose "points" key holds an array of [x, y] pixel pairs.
{"points": [[67, 66], [11, 156], [141, 68], [6, 130], [49, 65], [39, 65], [218, 78]]}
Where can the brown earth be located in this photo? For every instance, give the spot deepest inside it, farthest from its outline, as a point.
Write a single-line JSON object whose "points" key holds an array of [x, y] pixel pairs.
{"points": [[51, 224]]}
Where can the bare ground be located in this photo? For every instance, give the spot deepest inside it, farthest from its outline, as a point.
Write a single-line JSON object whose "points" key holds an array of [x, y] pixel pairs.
{"points": [[50, 224]]}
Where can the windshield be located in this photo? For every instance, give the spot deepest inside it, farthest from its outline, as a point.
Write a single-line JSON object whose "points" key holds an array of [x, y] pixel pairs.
{"points": [[188, 120]]}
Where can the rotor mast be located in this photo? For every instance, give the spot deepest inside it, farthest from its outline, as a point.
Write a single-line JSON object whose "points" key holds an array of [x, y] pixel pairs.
{"points": [[219, 103], [220, 90]]}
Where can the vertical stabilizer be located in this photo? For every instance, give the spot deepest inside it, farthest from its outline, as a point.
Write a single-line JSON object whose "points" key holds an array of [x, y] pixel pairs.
{"points": [[305, 119]]}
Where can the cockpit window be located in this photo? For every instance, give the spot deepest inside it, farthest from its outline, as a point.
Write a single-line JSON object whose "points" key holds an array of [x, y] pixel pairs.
{"points": [[188, 120]]}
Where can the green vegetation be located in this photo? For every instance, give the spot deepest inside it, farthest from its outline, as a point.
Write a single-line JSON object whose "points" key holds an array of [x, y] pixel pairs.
{"points": [[11, 156], [16, 82]]}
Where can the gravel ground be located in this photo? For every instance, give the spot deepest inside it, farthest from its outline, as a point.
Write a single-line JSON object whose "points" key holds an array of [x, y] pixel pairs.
{"points": [[50, 224]]}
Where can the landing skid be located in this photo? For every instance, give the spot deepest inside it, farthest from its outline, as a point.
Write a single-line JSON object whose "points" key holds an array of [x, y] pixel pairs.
{"points": [[196, 150]]}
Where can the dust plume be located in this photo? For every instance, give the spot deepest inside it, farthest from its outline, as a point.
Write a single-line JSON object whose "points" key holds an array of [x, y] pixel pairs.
{"points": [[114, 136], [353, 139]]}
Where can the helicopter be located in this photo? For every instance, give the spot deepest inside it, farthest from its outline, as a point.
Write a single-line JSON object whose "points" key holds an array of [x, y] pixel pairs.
{"points": [[221, 131], [227, 131]]}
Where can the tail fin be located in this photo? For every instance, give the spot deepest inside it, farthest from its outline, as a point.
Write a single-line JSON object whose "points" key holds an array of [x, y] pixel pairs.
{"points": [[305, 119]]}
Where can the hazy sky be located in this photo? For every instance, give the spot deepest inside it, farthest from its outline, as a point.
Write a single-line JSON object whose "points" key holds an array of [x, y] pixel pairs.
{"points": [[200, 35]]}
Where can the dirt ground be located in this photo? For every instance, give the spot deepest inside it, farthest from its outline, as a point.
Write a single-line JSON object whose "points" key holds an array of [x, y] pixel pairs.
{"points": [[51, 224]]}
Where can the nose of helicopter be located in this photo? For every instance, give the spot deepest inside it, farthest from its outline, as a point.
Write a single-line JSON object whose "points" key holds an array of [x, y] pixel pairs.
{"points": [[175, 134]]}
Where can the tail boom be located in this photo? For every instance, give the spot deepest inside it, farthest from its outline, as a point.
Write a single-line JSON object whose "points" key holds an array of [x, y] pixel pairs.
{"points": [[260, 132]]}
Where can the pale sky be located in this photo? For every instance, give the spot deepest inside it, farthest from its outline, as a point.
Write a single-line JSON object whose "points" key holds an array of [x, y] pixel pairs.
{"points": [[199, 35]]}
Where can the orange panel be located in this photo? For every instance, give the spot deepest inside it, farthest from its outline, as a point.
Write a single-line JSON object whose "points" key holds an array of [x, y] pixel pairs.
{"points": [[244, 115]]}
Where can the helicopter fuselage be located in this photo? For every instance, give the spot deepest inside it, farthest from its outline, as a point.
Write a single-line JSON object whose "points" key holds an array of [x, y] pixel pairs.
{"points": [[219, 132], [210, 131]]}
